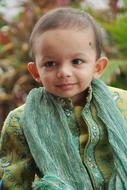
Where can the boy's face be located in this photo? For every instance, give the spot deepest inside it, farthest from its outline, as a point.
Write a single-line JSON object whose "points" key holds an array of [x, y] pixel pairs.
{"points": [[66, 61]]}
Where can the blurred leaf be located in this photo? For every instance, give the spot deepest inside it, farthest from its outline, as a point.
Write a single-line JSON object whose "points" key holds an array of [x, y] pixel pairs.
{"points": [[113, 69], [118, 33]]}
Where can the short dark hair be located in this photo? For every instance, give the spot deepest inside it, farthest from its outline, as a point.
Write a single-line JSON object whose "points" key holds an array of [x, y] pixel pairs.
{"points": [[66, 18]]}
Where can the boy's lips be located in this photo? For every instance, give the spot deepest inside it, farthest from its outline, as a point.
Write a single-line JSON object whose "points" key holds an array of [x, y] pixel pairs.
{"points": [[65, 85]]}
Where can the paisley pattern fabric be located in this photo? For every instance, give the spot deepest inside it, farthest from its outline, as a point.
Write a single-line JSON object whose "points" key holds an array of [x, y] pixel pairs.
{"points": [[17, 167]]}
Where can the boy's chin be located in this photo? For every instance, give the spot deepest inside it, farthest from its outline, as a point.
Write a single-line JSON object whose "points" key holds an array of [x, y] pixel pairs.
{"points": [[60, 95]]}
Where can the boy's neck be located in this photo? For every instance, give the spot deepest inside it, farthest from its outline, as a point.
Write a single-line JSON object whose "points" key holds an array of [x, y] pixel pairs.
{"points": [[83, 98]]}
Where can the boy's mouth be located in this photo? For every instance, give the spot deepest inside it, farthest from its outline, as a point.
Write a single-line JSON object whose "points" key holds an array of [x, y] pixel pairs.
{"points": [[66, 85]]}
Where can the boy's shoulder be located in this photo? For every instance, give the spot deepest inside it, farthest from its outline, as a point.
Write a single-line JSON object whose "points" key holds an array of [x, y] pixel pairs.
{"points": [[17, 112], [12, 123], [120, 97], [14, 116], [118, 93]]}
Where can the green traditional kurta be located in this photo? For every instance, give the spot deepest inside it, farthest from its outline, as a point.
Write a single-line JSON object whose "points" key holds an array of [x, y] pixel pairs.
{"points": [[17, 167]]}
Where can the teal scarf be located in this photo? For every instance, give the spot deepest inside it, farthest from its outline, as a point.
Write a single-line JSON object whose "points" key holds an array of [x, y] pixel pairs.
{"points": [[54, 150]]}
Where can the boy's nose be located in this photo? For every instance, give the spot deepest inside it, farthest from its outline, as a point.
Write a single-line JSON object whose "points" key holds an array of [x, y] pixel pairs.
{"points": [[64, 72]]}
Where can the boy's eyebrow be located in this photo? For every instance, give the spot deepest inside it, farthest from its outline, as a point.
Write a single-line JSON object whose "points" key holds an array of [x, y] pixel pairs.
{"points": [[48, 54], [52, 57], [82, 54], [45, 58], [79, 54]]}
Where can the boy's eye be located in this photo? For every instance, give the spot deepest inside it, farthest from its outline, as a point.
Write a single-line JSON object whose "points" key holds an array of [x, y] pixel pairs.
{"points": [[49, 64], [77, 61]]}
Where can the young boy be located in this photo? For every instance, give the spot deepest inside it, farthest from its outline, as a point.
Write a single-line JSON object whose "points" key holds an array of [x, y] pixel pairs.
{"points": [[72, 131]]}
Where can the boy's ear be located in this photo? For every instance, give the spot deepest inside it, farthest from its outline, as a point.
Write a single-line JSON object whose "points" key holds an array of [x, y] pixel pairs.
{"points": [[32, 68], [101, 65]]}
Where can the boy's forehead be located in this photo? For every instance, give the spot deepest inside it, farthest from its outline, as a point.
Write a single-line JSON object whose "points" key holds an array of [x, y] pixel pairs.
{"points": [[65, 42], [66, 35]]}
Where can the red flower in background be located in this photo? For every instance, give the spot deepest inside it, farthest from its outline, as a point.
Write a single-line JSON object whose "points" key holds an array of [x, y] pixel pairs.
{"points": [[63, 2], [4, 38]]}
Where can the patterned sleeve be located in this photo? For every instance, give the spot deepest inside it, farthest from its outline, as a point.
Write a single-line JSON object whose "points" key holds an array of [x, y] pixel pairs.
{"points": [[17, 168], [120, 96]]}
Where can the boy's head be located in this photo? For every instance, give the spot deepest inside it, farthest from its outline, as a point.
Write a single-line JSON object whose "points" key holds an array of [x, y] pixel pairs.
{"points": [[66, 45], [66, 18]]}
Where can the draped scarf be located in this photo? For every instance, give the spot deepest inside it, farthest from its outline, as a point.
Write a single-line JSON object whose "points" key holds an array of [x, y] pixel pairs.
{"points": [[53, 148]]}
